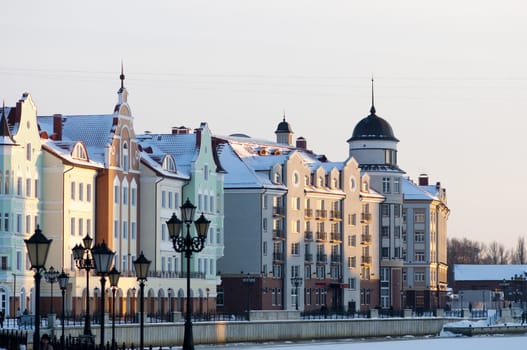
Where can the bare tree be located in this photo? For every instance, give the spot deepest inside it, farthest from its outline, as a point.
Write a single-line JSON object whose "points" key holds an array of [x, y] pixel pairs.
{"points": [[518, 253], [496, 253]]}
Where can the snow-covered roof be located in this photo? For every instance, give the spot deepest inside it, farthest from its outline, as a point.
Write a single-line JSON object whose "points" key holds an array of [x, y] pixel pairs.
{"points": [[466, 272], [413, 191], [64, 150]]}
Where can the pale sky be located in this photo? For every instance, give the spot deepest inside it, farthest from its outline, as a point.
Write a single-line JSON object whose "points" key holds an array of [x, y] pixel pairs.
{"points": [[450, 77]]}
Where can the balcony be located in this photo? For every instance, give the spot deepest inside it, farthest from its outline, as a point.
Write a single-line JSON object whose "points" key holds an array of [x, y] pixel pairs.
{"points": [[322, 258], [321, 214], [366, 260], [308, 257], [278, 256], [308, 213], [308, 235], [365, 218], [322, 236], [335, 215], [336, 237], [365, 239], [336, 258], [278, 211], [278, 234]]}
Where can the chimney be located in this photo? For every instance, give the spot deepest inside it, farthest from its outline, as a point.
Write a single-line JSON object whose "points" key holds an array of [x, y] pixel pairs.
{"points": [[438, 185], [57, 127], [423, 180], [301, 143], [180, 130]]}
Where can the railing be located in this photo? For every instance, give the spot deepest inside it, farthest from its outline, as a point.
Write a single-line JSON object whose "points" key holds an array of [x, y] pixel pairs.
{"points": [[336, 258], [278, 234], [366, 260], [321, 214], [365, 239], [308, 257], [175, 274], [308, 235], [278, 256], [322, 258], [335, 215], [336, 236], [308, 213], [278, 211], [322, 236], [365, 217]]}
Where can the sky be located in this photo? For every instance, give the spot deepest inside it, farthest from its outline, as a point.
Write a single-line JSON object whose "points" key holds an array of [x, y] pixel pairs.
{"points": [[450, 77]]}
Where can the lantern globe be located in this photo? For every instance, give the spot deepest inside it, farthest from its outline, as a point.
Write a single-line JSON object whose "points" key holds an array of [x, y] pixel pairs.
{"points": [[202, 226], [114, 277], [37, 248], [102, 258], [142, 265], [187, 211], [174, 226]]}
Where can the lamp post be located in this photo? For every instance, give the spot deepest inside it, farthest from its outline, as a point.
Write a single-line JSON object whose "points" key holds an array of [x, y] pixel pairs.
{"points": [[296, 281], [188, 245], [63, 284], [84, 261], [114, 281], [37, 248], [142, 265], [248, 280], [51, 277], [102, 257]]}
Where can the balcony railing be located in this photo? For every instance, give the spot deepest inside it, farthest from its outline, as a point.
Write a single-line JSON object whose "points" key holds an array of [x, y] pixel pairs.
{"points": [[175, 274], [278, 211], [322, 258], [308, 235], [336, 236], [335, 215], [278, 234], [366, 260], [322, 236], [278, 256], [365, 239], [336, 258], [365, 217], [308, 257], [308, 213], [321, 214]]}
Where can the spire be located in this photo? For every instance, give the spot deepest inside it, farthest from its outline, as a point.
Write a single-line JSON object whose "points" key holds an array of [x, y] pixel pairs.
{"points": [[4, 127], [122, 75], [372, 109], [284, 116]]}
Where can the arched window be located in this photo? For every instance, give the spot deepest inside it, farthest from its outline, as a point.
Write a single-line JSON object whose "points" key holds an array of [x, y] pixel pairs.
{"points": [[169, 164], [126, 164]]}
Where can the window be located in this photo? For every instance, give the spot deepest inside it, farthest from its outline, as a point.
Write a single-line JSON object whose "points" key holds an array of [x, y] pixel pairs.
{"points": [[126, 164], [352, 261], [264, 248], [163, 232], [419, 217], [211, 199], [397, 185], [219, 296], [352, 219], [419, 277], [88, 192], [205, 172], [19, 261], [116, 229], [295, 249], [28, 187], [19, 186], [134, 230], [385, 252], [72, 226], [163, 199], [125, 195], [352, 240], [419, 256], [116, 196], [6, 222], [386, 185], [419, 236], [73, 189], [81, 227], [277, 271], [28, 223], [264, 224], [295, 271], [28, 152], [125, 229], [352, 283], [218, 236], [88, 226], [385, 231], [385, 210], [36, 188], [81, 191], [170, 200], [134, 196]]}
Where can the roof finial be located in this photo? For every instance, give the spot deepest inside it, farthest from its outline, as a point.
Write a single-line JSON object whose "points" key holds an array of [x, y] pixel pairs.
{"points": [[122, 75], [284, 115], [372, 109]]}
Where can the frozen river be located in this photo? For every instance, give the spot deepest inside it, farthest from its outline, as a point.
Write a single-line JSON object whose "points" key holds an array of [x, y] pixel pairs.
{"points": [[433, 343]]}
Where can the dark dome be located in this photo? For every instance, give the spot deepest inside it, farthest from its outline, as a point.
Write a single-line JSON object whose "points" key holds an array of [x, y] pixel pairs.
{"points": [[283, 127], [373, 128]]}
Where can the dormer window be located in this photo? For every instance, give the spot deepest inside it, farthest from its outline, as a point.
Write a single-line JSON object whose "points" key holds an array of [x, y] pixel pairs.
{"points": [[320, 181], [79, 152], [169, 164], [365, 186]]}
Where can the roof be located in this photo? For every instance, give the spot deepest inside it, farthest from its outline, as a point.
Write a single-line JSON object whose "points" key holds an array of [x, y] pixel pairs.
{"points": [[466, 272], [373, 127], [413, 191], [283, 127]]}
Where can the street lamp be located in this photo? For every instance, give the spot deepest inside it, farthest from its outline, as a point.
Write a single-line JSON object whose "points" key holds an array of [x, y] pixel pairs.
{"points": [[51, 277], [114, 281], [248, 281], [188, 245], [142, 265], [63, 284], [102, 257], [37, 248], [84, 261], [296, 282]]}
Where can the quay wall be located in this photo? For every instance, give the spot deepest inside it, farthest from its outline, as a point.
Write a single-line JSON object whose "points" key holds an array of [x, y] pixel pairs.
{"points": [[221, 332]]}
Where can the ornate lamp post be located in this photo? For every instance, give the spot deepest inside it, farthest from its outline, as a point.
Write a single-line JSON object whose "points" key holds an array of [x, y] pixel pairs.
{"points": [[102, 257], [188, 245], [296, 281], [249, 281], [63, 283], [84, 261], [37, 248], [114, 281], [51, 277], [142, 265]]}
